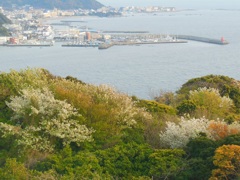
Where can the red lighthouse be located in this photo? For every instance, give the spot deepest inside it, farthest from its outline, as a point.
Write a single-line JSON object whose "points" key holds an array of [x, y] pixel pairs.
{"points": [[222, 39]]}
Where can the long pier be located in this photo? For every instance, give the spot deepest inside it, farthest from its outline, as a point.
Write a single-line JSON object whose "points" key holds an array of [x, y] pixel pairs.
{"points": [[219, 41], [203, 39], [138, 39], [106, 46]]}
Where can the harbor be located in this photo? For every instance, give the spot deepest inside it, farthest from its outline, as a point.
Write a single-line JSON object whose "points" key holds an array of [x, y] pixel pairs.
{"points": [[126, 39], [72, 33], [105, 41]]}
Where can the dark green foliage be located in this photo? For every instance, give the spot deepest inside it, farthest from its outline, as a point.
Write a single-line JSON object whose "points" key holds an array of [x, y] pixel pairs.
{"points": [[167, 163], [200, 151], [3, 31], [133, 135], [122, 161], [186, 107], [8, 149], [4, 20], [201, 147], [213, 81], [155, 107], [229, 140], [6, 90], [197, 169], [60, 4], [234, 94], [70, 78], [70, 164], [126, 160]]}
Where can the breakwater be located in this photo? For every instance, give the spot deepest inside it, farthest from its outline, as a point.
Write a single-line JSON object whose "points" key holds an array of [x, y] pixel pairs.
{"points": [[167, 37], [106, 46], [203, 39]]}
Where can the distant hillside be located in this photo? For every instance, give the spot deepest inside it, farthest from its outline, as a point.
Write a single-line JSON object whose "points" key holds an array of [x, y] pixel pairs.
{"points": [[3, 20], [50, 4]]}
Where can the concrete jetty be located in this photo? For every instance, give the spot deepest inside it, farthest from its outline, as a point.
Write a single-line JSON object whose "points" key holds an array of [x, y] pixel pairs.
{"points": [[203, 39], [177, 37], [106, 46]]}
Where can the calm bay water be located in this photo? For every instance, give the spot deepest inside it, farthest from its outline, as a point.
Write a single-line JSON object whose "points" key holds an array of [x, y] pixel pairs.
{"points": [[142, 70]]}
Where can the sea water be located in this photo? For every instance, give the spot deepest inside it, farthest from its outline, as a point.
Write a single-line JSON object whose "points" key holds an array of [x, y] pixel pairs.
{"points": [[147, 69]]}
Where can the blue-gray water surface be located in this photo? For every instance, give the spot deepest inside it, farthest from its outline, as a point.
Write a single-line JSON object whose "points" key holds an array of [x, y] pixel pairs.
{"points": [[142, 70]]}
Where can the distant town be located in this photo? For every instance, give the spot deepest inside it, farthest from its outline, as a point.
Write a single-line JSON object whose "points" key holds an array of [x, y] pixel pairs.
{"points": [[30, 27]]}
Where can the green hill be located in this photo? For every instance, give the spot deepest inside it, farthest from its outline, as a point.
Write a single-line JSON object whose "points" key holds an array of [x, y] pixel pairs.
{"points": [[59, 128], [3, 20], [60, 4]]}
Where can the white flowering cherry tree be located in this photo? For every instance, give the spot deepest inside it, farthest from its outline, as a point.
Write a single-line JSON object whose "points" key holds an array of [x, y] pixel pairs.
{"points": [[177, 135], [40, 119]]}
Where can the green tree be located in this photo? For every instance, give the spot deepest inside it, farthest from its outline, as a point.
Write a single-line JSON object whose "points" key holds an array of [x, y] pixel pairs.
{"points": [[186, 107], [126, 160], [167, 163], [14, 170], [210, 103], [200, 152]]}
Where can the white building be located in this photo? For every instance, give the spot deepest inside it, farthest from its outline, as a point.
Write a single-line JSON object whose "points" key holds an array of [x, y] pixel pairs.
{"points": [[4, 39]]}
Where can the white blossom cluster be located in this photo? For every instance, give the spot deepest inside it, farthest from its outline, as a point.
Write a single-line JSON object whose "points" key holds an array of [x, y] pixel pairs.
{"points": [[8, 129], [178, 135], [44, 118], [68, 130], [27, 137], [40, 103]]}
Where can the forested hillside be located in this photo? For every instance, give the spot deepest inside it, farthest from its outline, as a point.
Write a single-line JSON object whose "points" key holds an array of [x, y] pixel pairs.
{"points": [[60, 4], [62, 128], [3, 20]]}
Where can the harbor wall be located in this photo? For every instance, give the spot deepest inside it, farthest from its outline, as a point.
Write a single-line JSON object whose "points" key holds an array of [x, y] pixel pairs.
{"points": [[106, 46], [202, 39]]}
